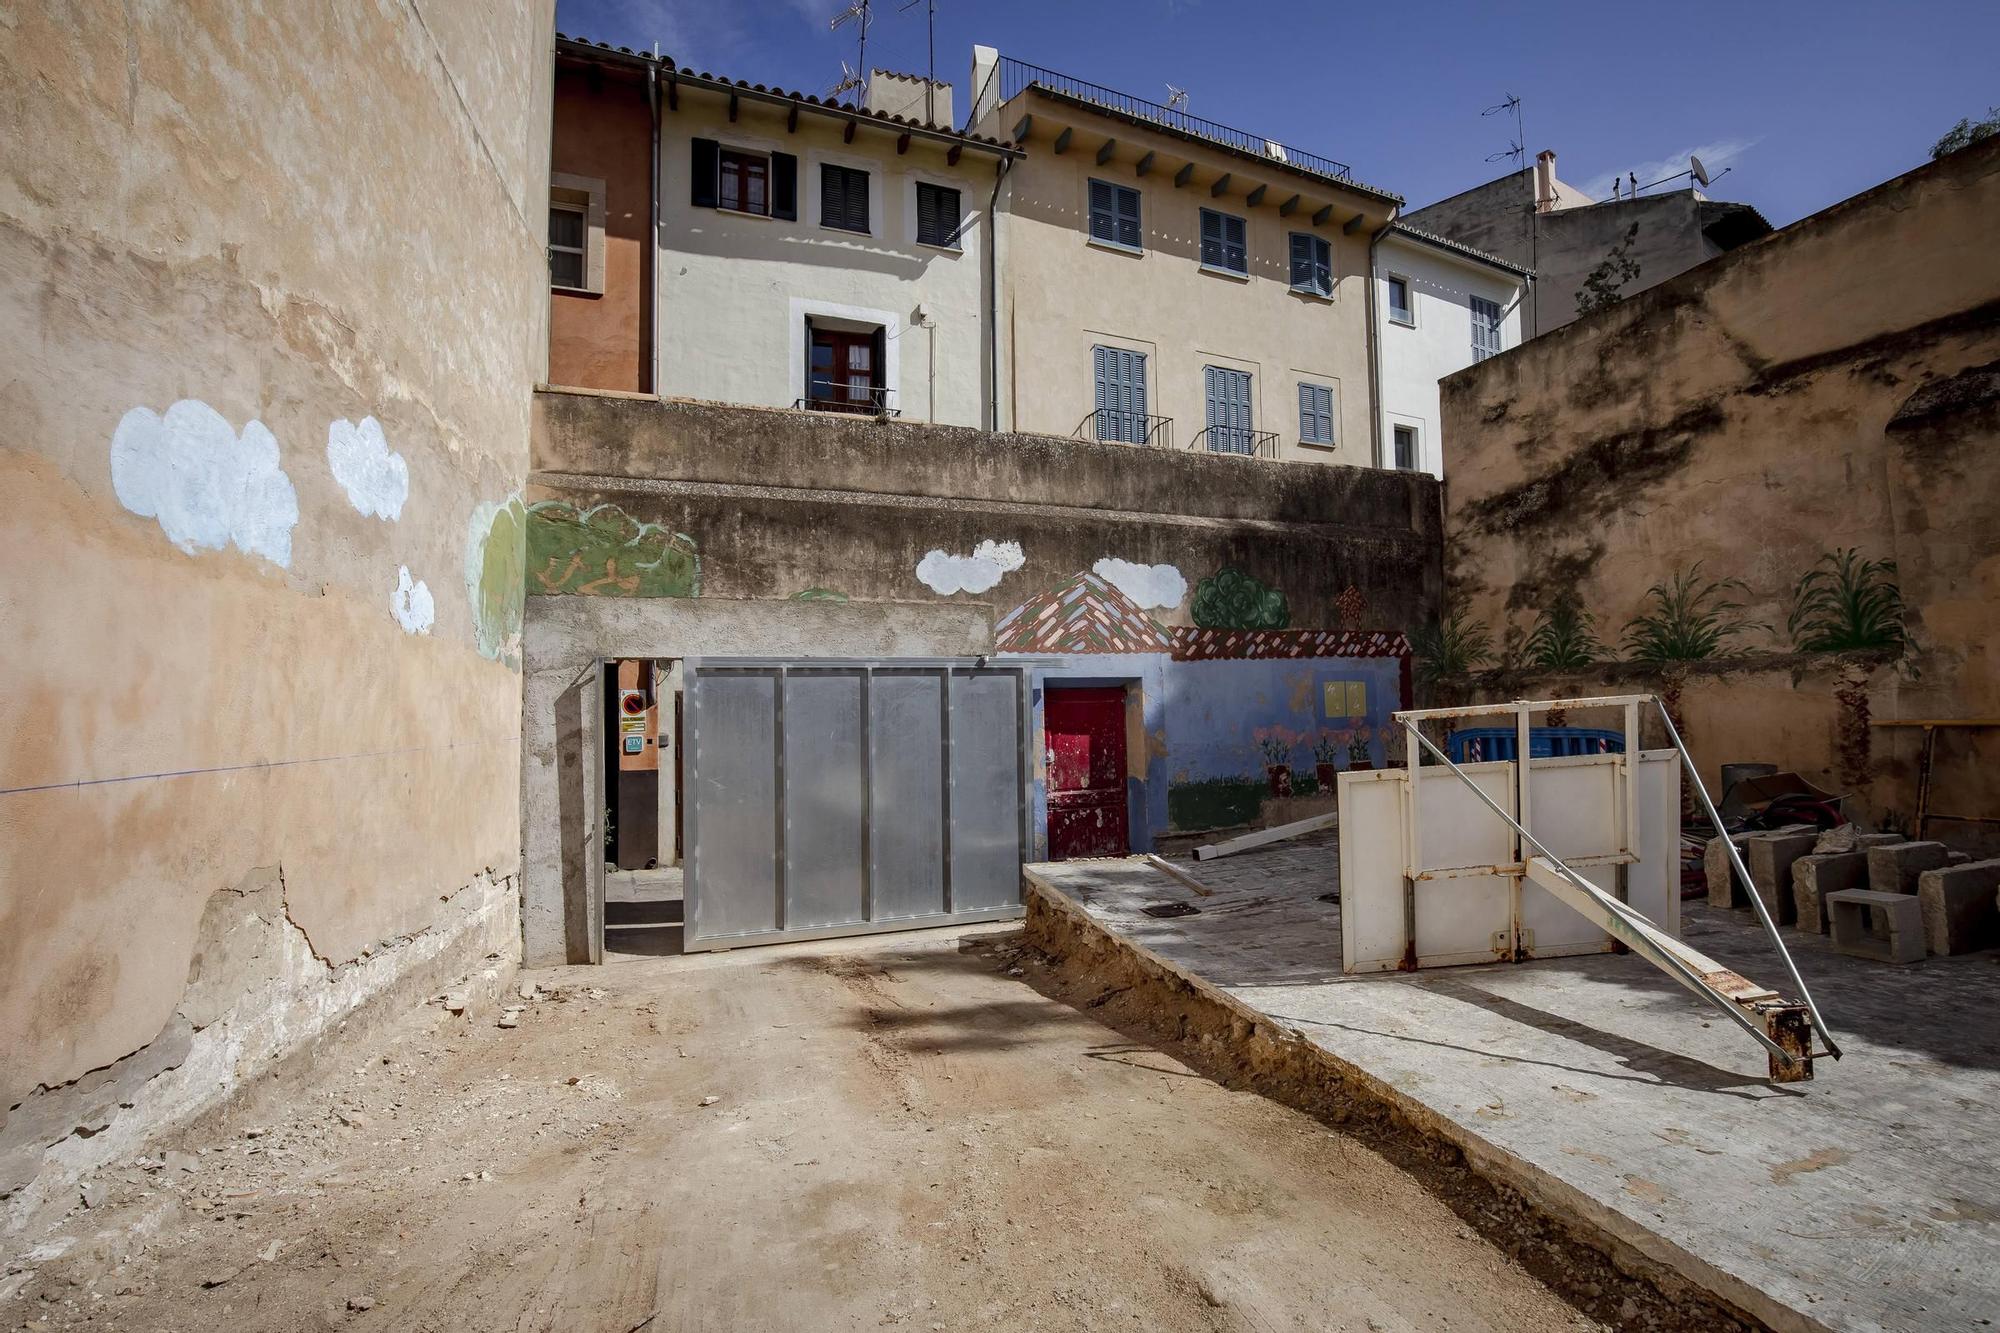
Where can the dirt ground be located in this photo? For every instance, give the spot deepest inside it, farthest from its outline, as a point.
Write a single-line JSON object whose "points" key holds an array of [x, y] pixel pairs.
{"points": [[897, 1133]]}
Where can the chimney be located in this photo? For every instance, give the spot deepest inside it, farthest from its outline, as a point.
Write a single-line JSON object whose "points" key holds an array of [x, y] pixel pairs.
{"points": [[985, 86], [1545, 180], [911, 96]]}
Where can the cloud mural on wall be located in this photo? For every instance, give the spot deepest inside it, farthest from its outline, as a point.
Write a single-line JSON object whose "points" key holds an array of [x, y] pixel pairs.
{"points": [[1151, 587], [206, 484], [944, 573], [415, 608], [375, 477]]}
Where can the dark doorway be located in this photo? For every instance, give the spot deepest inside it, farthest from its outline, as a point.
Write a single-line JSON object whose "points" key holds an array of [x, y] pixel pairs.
{"points": [[1085, 729]]}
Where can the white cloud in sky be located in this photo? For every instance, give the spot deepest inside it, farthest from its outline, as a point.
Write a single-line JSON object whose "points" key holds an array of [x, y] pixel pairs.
{"points": [[1714, 156]]}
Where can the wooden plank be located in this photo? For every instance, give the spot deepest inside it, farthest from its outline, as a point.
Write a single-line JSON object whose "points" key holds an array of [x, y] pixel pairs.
{"points": [[1162, 864], [1266, 836]]}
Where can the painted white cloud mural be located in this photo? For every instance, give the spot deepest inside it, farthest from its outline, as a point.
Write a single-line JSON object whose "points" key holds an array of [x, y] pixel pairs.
{"points": [[375, 477], [415, 608], [207, 485], [944, 573], [1152, 587]]}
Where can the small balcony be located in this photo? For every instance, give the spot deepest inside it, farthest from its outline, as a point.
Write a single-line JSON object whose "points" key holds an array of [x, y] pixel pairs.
{"points": [[1114, 425], [858, 400]]}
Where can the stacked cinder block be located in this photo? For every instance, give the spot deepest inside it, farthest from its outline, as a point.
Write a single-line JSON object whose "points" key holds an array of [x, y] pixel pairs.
{"points": [[1960, 906], [1839, 860]]}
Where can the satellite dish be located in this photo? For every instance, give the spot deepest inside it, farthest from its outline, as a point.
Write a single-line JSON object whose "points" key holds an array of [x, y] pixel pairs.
{"points": [[1699, 171]]}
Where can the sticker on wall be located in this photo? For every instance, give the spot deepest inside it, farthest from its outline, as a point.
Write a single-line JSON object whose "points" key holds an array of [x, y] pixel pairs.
{"points": [[206, 484], [495, 575], [605, 552], [415, 608], [375, 477], [1151, 587], [990, 561]]}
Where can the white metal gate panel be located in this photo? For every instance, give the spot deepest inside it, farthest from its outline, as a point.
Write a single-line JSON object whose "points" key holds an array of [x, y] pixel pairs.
{"points": [[825, 797]]}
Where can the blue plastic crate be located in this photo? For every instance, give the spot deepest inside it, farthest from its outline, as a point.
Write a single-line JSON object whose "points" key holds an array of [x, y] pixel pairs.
{"points": [[1474, 744]]}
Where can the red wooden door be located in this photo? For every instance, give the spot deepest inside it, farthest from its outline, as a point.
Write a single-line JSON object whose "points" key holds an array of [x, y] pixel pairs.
{"points": [[1086, 767]]}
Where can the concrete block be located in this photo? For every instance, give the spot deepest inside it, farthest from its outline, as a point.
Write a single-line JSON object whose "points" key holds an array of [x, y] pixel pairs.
{"points": [[1887, 927], [1723, 890], [1894, 867], [1815, 876], [1959, 907], [1850, 838], [1771, 857], [1958, 858]]}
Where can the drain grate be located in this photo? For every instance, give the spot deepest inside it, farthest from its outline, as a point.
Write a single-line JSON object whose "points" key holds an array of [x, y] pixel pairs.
{"points": [[1172, 909]]}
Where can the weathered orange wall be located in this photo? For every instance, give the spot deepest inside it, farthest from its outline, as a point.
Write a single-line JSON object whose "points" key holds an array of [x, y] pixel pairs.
{"points": [[604, 130]]}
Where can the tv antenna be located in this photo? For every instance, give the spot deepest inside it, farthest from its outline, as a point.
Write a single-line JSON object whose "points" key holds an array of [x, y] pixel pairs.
{"points": [[930, 71], [859, 15], [1176, 98], [849, 81], [1696, 172], [1518, 148]]}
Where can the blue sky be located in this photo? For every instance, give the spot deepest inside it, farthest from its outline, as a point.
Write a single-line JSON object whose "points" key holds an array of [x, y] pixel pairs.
{"points": [[1809, 102]]}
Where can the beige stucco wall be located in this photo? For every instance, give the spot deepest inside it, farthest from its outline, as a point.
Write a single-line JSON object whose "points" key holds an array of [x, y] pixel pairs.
{"points": [[735, 290], [1064, 295], [239, 207], [1836, 384]]}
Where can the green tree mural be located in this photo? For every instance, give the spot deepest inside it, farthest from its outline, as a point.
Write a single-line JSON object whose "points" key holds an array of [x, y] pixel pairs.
{"points": [[1231, 599], [605, 552]]}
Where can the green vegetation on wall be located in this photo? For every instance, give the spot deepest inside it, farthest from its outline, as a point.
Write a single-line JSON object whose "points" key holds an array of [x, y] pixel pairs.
{"points": [[1688, 619], [605, 552], [1231, 599], [1565, 638], [1448, 649]]}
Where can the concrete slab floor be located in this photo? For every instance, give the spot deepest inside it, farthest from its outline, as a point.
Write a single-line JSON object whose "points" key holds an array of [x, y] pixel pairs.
{"points": [[1865, 1199], [895, 1132]]}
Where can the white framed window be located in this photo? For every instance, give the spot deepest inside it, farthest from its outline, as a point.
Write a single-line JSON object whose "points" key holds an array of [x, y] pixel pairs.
{"points": [[843, 198], [1404, 441], [576, 234], [1402, 310], [940, 220], [1224, 243], [1312, 264], [1485, 328]]}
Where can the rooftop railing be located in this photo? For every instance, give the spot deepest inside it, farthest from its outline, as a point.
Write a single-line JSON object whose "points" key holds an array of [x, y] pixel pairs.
{"points": [[1017, 76]]}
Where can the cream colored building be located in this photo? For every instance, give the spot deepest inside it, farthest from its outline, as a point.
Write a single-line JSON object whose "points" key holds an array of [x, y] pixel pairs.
{"points": [[1169, 281]]}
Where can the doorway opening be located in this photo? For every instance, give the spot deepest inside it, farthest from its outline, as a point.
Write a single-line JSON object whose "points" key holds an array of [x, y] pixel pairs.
{"points": [[1088, 809], [643, 896]]}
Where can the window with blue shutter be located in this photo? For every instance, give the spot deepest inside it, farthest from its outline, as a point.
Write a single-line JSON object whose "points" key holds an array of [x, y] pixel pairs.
{"points": [[1315, 413], [1114, 214], [1485, 328], [1312, 264], [1222, 242], [1121, 394], [1229, 420]]}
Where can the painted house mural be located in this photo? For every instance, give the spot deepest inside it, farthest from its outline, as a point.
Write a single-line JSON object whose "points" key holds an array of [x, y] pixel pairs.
{"points": [[1146, 730]]}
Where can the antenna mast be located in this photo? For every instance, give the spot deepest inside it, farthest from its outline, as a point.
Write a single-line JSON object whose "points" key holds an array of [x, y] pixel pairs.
{"points": [[930, 71], [1518, 149], [859, 15]]}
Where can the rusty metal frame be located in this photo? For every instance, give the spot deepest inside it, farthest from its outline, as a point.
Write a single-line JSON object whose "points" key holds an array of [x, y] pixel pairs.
{"points": [[1928, 757]]}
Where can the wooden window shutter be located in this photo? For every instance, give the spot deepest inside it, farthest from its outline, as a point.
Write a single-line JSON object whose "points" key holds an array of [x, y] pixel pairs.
{"points": [[702, 173], [784, 186]]}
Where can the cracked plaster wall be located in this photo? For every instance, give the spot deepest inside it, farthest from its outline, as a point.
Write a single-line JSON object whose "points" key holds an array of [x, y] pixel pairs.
{"points": [[296, 215], [1836, 384]]}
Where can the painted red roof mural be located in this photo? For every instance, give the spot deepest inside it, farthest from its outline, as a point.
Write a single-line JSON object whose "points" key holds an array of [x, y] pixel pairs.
{"points": [[1194, 644], [1084, 615]]}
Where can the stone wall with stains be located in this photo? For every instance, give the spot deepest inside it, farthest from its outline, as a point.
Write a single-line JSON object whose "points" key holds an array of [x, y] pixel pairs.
{"points": [[267, 392], [637, 496], [1834, 386]]}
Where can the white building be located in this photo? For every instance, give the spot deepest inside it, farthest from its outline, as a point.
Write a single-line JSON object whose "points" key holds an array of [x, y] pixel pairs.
{"points": [[1439, 307]]}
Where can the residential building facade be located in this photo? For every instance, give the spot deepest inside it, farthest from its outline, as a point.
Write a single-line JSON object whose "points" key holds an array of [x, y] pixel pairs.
{"points": [[1439, 307], [1533, 219], [1169, 281], [810, 254]]}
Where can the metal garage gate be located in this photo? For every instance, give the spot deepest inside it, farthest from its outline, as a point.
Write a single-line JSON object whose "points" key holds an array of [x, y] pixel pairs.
{"points": [[826, 797]]}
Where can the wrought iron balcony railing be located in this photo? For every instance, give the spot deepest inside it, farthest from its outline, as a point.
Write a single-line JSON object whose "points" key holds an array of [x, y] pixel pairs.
{"points": [[1237, 440], [1017, 76], [855, 401], [1115, 424]]}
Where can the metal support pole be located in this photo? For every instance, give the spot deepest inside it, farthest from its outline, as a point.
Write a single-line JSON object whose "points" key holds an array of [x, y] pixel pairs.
{"points": [[1756, 899], [1666, 961]]}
